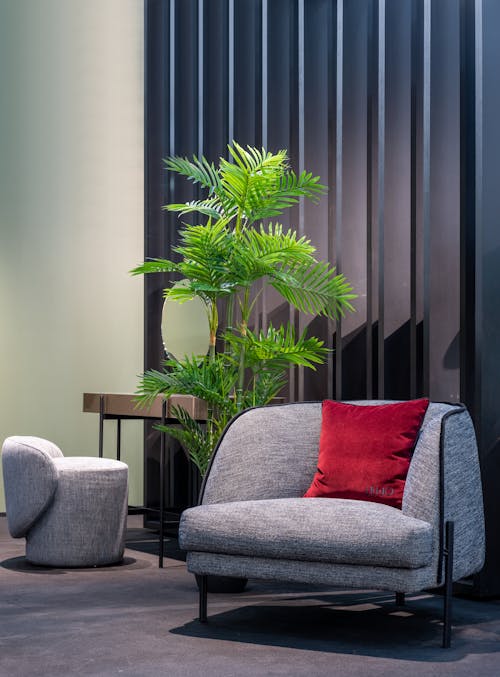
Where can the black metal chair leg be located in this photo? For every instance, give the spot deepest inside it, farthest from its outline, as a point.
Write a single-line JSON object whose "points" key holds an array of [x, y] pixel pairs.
{"points": [[448, 583], [202, 585], [400, 599]]}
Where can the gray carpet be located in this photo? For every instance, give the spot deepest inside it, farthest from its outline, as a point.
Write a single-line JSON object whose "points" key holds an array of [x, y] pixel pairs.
{"points": [[137, 620]]}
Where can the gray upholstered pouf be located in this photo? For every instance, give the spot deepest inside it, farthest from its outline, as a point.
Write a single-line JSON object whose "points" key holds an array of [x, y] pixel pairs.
{"points": [[72, 510]]}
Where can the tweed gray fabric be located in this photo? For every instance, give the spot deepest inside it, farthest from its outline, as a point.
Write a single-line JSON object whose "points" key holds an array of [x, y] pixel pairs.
{"points": [[86, 523], [463, 495], [344, 575], [309, 529], [268, 452], [38, 444], [82, 522], [271, 453], [421, 493], [462, 485], [30, 480]]}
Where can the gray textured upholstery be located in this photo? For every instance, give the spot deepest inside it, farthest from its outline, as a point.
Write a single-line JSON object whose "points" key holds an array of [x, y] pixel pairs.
{"points": [[28, 492], [269, 452], [316, 529], [254, 523], [72, 510], [342, 575]]}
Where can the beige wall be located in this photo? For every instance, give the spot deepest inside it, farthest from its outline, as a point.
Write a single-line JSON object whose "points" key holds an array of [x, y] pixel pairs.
{"points": [[71, 217]]}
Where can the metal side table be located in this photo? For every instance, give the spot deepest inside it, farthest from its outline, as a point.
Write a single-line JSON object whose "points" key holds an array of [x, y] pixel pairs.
{"points": [[118, 407]]}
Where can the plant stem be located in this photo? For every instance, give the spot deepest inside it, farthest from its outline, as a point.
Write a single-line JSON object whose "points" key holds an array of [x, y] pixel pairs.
{"points": [[229, 320], [241, 370], [243, 333], [213, 325], [237, 227]]}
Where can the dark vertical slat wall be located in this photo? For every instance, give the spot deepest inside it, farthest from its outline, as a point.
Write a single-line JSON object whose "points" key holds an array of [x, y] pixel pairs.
{"points": [[487, 272], [394, 103]]}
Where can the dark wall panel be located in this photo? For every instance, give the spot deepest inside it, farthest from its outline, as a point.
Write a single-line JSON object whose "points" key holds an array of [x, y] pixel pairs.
{"points": [[397, 197], [247, 72], [487, 250], [445, 201], [357, 26], [384, 100], [215, 62]]}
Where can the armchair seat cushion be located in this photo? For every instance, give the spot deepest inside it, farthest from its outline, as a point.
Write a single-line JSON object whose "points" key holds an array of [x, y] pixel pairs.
{"points": [[332, 530]]}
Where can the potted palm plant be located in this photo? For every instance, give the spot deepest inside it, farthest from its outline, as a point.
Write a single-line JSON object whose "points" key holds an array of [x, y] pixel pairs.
{"points": [[220, 260]]}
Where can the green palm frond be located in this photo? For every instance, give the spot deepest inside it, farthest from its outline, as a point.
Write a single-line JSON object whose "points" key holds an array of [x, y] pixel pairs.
{"points": [[210, 207], [250, 176], [205, 251], [156, 266], [275, 247], [198, 240], [256, 160], [316, 290], [279, 348], [210, 380], [180, 293], [196, 170], [257, 184], [151, 384], [268, 200], [264, 387], [198, 440]]}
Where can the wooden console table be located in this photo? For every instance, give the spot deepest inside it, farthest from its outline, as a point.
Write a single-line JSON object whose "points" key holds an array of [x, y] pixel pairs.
{"points": [[116, 406]]}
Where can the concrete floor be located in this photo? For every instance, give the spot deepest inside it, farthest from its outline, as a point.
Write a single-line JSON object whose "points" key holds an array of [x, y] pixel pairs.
{"points": [[137, 620]]}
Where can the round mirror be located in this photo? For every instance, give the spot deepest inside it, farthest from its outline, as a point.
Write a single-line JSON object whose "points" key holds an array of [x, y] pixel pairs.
{"points": [[184, 328]]}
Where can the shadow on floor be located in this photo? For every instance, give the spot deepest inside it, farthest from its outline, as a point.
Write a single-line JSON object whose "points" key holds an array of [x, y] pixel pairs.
{"points": [[22, 565], [147, 542], [364, 624]]}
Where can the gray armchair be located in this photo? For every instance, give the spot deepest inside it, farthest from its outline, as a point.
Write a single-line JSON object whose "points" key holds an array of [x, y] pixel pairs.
{"points": [[252, 521], [71, 510]]}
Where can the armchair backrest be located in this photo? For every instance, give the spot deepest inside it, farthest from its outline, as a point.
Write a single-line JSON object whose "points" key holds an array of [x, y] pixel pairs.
{"points": [[30, 480], [266, 452]]}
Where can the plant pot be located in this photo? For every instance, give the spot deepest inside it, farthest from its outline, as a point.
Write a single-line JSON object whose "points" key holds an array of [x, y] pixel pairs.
{"points": [[227, 584]]}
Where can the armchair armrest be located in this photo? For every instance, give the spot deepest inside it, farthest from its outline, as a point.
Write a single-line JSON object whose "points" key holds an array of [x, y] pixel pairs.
{"points": [[30, 480]]}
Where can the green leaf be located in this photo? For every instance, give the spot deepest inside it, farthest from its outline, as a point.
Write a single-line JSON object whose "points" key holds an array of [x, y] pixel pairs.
{"points": [[210, 380], [257, 184], [264, 387], [277, 248], [196, 439], [195, 170], [316, 290], [278, 348], [156, 266], [209, 207]]}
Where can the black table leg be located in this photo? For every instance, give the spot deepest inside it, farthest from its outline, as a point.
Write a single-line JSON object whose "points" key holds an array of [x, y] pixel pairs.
{"points": [[118, 438], [101, 424], [162, 481]]}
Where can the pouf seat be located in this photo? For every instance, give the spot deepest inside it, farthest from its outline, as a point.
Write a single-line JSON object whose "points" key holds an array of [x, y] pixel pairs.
{"points": [[71, 510]]}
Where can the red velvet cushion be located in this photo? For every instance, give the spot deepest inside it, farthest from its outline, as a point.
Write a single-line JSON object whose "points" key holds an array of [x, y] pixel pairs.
{"points": [[365, 450]]}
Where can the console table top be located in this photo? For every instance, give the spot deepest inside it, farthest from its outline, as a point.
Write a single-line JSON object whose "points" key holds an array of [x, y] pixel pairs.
{"points": [[124, 405]]}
